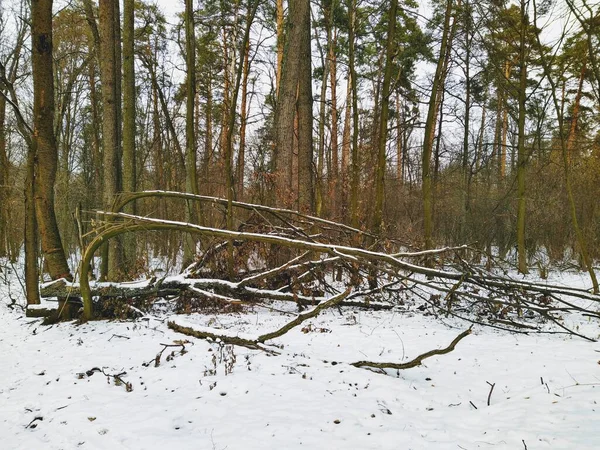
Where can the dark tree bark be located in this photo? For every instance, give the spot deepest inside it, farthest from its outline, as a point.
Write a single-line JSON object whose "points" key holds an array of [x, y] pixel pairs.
{"points": [[430, 124], [111, 144], [3, 180], [522, 153], [44, 142], [298, 20], [305, 120], [383, 119], [129, 151]]}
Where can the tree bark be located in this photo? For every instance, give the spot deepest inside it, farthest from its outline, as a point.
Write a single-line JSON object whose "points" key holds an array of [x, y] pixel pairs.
{"points": [[129, 151], [44, 141], [306, 174], [355, 163], [241, 160], [334, 183], [111, 261], [522, 152], [286, 100], [280, 44], [438, 82], [3, 180], [383, 119], [346, 144], [191, 179]]}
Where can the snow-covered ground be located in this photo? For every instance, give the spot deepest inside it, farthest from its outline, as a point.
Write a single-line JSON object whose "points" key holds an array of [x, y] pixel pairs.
{"points": [[546, 387]]}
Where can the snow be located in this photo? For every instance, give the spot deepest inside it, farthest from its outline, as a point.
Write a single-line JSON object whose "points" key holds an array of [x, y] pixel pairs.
{"points": [[546, 393]]}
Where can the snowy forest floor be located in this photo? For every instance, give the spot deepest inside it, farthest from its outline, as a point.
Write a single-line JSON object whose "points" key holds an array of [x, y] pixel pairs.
{"points": [[546, 387]]}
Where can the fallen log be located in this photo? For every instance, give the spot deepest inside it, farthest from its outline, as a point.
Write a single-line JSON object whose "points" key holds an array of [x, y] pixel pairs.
{"points": [[176, 285]]}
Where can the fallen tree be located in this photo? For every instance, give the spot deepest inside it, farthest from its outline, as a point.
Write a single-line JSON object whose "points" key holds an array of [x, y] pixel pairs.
{"points": [[325, 260]]}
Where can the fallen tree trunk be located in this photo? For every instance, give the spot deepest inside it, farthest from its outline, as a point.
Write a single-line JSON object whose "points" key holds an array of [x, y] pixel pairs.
{"points": [[498, 299], [174, 286]]}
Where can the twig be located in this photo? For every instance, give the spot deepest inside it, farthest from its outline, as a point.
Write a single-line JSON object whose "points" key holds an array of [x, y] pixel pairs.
{"points": [[118, 336], [303, 317], [489, 399], [418, 360], [31, 425], [156, 359], [256, 344]]}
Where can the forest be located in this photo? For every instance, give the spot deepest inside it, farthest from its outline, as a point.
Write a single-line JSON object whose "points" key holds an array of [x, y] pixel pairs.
{"points": [[315, 165], [474, 125]]}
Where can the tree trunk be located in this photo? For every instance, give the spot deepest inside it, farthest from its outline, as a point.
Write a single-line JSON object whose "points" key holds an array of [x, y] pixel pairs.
{"points": [[438, 82], [522, 153], [111, 261], [503, 152], [346, 143], [355, 169], [305, 119], [466, 174], [191, 179], [44, 142], [32, 288], [383, 119], [575, 115], [129, 151], [280, 44], [230, 127], [399, 144], [333, 176], [241, 163], [320, 181], [3, 181], [286, 100]]}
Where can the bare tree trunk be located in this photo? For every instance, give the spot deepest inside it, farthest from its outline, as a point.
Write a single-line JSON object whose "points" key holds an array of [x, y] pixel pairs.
{"points": [[438, 85], [3, 180], [32, 289], [575, 115], [346, 142], [334, 181], [252, 8], [129, 151], [522, 153], [480, 138], [383, 119], [111, 261], [319, 179], [399, 143], [191, 179], [466, 175], [305, 120], [44, 142], [280, 44], [286, 100], [208, 142], [503, 152], [243, 123], [355, 163]]}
